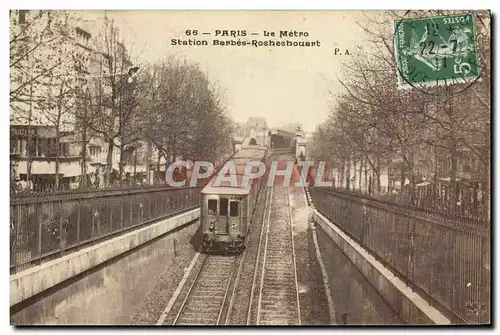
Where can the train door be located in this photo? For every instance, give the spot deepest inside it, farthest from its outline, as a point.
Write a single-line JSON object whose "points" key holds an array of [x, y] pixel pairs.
{"points": [[229, 216], [234, 216], [223, 223]]}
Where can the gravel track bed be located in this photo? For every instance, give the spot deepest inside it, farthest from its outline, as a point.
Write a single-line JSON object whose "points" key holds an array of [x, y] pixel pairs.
{"points": [[157, 299], [312, 294], [277, 302]]}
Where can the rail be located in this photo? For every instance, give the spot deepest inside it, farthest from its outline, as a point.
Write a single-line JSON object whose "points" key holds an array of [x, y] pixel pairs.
{"points": [[445, 258], [278, 294], [207, 296]]}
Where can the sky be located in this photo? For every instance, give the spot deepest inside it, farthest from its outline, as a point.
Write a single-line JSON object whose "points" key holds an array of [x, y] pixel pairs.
{"points": [[282, 84]]}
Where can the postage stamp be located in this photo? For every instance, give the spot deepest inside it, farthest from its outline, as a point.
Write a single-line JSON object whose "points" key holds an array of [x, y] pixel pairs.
{"points": [[436, 50]]}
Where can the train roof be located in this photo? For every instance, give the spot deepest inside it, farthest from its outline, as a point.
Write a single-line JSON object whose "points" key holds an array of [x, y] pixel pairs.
{"points": [[247, 154], [251, 151]]}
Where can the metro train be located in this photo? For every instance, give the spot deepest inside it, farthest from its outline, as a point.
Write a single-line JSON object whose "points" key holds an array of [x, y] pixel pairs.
{"points": [[227, 210]]}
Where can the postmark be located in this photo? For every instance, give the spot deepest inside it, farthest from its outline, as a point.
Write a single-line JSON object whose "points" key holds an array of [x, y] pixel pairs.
{"points": [[436, 51]]}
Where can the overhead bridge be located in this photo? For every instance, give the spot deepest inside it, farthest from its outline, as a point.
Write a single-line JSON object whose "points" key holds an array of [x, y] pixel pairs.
{"points": [[282, 139]]}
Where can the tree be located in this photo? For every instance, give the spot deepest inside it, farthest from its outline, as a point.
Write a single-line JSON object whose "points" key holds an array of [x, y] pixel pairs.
{"points": [[375, 121], [184, 112], [35, 37], [47, 68], [115, 116]]}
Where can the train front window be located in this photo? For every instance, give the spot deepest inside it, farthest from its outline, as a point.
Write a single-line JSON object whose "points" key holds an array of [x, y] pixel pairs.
{"points": [[233, 208], [223, 207], [212, 207]]}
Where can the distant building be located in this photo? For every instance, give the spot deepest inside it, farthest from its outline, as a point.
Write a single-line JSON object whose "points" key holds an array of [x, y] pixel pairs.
{"points": [[34, 133], [42, 155], [27, 119]]}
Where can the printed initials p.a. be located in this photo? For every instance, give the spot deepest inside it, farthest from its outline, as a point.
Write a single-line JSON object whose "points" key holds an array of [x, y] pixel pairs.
{"points": [[338, 52]]}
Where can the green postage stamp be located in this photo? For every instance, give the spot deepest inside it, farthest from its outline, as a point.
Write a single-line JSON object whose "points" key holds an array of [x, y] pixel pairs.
{"points": [[436, 50]]}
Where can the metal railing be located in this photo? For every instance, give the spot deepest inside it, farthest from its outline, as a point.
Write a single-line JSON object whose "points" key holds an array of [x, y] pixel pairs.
{"points": [[48, 223], [47, 226], [444, 257], [430, 200]]}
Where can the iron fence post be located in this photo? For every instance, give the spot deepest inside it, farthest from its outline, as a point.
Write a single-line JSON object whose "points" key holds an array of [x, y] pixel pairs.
{"points": [[121, 214], [93, 223], [16, 237], [131, 200], [110, 208], [394, 240], [455, 276], [141, 208], [411, 266], [484, 282], [149, 205], [78, 222], [39, 237], [60, 227]]}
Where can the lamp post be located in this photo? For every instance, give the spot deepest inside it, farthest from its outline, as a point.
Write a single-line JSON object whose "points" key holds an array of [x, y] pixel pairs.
{"points": [[132, 73]]}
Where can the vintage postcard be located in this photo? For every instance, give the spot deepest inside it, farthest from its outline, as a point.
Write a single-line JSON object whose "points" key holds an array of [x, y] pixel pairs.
{"points": [[293, 168]]}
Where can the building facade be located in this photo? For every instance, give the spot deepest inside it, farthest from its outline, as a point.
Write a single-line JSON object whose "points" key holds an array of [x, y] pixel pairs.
{"points": [[37, 142]]}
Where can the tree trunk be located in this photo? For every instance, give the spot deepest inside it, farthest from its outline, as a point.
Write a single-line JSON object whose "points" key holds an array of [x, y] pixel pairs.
{"points": [[348, 172], [166, 156], [342, 173], [58, 157], [109, 162], [149, 158], [366, 176], [360, 172], [122, 160], [83, 152], [58, 134], [158, 166], [452, 146], [403, 175], [135, 166], [435, 177], [29, 143], [370, 185], [411, 169], [453, 174], [486, 192]]}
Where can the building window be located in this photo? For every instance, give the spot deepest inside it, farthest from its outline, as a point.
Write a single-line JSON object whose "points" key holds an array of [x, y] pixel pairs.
{"points": [[14, 145], [64, 149], [95, 150]]}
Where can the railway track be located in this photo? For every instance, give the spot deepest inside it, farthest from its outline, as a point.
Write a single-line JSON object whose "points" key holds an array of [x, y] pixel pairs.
{"points": [[208, 294], [208, 297], [278, 299]]}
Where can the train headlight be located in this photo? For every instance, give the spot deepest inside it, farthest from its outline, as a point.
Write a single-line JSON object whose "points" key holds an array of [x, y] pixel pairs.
{"points": [[212, 226], [233, 225]]}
